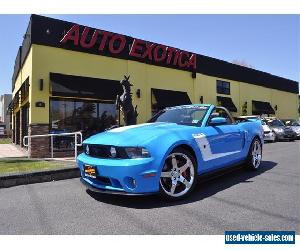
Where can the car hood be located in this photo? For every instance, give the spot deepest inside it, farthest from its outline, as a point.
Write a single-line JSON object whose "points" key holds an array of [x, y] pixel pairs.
{"points": [[135, 135], [285, 128], [276, 126]]}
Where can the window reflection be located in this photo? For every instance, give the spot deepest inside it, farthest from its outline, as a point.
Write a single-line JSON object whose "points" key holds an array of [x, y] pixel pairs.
{"points": [[86, 116]]}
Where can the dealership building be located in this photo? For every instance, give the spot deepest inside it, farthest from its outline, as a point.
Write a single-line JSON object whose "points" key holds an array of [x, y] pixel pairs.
{"points": [[67, 77]]}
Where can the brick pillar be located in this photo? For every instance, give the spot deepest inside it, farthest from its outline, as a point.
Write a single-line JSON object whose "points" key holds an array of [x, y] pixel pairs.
{"points": [[39, 147]]}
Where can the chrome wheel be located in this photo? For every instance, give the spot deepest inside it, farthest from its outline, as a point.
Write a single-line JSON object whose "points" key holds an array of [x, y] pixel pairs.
{"points": [[178, 174], [256, 154]]}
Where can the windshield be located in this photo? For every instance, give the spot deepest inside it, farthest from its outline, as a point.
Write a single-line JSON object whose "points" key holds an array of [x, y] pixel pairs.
{"points": [[276, 123], [296, 124], [288, 122], [188, 115]]}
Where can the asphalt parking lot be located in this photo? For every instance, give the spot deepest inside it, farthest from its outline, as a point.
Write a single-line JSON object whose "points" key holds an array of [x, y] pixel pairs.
{"points": [[268, 199]]}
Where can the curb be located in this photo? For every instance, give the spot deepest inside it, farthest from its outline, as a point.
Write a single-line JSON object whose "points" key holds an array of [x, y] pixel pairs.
{"points": [[37, 177]]}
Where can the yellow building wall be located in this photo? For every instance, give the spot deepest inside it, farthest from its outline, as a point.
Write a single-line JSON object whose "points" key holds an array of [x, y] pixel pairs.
{"points": [[137, 72], [48, 59], [169, 79], [249, 92], [24, 73], [206, 86], [287, 104], [144, 77]]}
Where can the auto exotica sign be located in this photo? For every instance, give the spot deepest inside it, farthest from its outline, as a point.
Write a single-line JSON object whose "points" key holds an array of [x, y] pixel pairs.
{"points": [[115, 44]]}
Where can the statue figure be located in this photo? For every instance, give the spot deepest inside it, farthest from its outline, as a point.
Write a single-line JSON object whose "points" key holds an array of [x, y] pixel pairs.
{"points": [[124, 103]]}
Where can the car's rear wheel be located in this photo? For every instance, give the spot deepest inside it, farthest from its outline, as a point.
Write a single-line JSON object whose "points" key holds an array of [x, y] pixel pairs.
{"points": [[179, 175], [255, 154]]}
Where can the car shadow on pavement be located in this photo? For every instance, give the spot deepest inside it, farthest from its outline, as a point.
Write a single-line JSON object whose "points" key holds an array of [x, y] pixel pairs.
{"points": [[207, 186]]}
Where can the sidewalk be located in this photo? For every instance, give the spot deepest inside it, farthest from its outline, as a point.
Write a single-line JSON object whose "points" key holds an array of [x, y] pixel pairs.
{"points": [[65, 159], [11, 150], [24, 171]]}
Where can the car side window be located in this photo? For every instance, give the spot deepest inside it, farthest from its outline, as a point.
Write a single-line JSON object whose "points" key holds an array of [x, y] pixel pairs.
{"points": [[220, 112], [197, 116]]}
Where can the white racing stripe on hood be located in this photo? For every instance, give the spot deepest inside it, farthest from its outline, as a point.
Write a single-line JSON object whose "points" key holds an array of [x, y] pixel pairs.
{"points": [[121, 129]]}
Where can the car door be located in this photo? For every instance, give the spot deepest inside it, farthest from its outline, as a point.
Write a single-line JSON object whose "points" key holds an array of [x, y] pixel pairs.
{"points": [[224, 141]]}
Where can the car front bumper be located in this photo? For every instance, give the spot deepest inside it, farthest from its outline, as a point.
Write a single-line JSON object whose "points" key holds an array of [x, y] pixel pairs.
{"points": [[121, 176], [286, 136], [269, 137], [297, 135], [107, 191]]}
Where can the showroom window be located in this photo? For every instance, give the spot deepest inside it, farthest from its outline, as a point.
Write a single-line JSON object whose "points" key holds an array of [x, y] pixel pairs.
{"points": [[223, 87], [89, 117]]}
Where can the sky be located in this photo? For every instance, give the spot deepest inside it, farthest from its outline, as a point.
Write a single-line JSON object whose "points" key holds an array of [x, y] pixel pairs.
{"points": [[270, 43]]}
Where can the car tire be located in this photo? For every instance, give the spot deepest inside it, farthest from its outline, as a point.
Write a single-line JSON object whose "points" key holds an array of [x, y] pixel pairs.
{"points": [[255, 154], [179, 175]]}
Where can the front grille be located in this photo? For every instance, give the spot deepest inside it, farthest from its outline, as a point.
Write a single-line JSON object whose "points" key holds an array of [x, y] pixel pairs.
{"points": [[104, 180], [99, 151], [288, 132], [104, 151]]}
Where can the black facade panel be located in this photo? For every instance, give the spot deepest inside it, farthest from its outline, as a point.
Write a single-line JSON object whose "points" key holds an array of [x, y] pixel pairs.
{"points": [[26, 44], [22, 53], [49, 32], [218, 68], [17, 67]]}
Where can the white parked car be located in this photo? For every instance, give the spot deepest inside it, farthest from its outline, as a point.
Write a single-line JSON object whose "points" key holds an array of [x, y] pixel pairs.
{"points": [[268, 133]]}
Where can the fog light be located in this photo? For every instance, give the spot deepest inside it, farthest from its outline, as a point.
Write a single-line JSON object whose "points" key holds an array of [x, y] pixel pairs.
{"points": [[130, 182], [134, 182]]}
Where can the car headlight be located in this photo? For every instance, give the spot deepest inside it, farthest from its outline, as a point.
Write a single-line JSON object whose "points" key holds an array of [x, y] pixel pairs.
{"points": [[278, 130], [137, 152]]}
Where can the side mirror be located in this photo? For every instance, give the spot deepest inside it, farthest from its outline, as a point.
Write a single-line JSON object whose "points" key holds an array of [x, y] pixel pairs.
{"points": [[215, 121], [215, 114]]}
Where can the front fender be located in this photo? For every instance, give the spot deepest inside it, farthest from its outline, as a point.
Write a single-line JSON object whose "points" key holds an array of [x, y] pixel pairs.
{"points": [[161, 149]]}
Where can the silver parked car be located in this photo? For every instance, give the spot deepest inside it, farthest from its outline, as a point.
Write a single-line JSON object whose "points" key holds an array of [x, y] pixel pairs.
{"points": [[294, 125], [281, 131]]}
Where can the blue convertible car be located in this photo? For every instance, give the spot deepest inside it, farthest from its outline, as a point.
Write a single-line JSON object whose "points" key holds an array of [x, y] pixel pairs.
{"points": [[166, 154]]}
